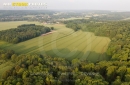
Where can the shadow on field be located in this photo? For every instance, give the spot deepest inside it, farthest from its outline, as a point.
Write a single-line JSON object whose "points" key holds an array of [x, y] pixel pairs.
{"points": [[21, 49], [90, 56], [15, 48]]}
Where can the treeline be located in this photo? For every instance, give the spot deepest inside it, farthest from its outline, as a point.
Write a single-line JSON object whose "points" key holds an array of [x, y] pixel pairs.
{"points": [[23, 32], [75, 24], [45, 70]]}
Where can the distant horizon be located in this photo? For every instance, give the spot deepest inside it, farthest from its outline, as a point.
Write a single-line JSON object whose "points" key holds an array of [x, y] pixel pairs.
{"points": [[110, 5], [66, 10]]}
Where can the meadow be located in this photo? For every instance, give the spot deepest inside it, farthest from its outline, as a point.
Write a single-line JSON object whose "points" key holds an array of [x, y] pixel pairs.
{"points": [[14, 24], [64, 42]]}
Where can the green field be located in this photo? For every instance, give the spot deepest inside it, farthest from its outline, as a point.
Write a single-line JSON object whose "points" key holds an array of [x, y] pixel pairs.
{"points": [[64, 43], [14, 24]]}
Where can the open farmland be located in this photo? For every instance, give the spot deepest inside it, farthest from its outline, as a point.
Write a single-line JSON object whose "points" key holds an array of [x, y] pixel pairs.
{"points": [[14, 24], [64, 43]]}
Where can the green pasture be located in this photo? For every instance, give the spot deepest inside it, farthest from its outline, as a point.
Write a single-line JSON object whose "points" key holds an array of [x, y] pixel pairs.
{"points": [[14, 24], [63, 42], [70, 45]]}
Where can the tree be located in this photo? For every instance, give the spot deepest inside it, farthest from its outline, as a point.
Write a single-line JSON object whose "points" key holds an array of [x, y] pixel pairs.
{"points": [[18, 83], [52, 28], [16, 40], [5, 75], [111, 72], [25, 74], [121, 71], [48, 81], [127, 78], [13, 57], [117, 81], [20, 71]]}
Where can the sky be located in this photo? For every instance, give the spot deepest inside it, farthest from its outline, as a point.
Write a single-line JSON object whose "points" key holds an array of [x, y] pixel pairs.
{"points": [[119, 5]]}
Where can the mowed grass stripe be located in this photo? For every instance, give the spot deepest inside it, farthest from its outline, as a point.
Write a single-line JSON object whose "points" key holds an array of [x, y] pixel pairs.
{"points": [[63, 40], [77, 44], [82, 46], [62, 43], [85, 45], [71, 41], [93, 56], [70, 38], [38, 45], [65, 47], [50, 44], [103, 55], [102, 51]]}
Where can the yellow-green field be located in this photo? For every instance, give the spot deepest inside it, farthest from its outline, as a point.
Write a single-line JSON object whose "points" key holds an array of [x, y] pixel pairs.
{"points": [[14, 24], [57, 26], [64, 43]]}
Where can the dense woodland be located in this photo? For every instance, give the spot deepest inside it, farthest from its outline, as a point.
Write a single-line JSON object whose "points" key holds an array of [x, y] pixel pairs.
{"points": [[23, 32], [45, 70], [36, 69]]}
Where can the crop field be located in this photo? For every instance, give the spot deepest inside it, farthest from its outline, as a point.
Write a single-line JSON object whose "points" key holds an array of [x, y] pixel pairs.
{"points": [[14, 24], [64, 43]]}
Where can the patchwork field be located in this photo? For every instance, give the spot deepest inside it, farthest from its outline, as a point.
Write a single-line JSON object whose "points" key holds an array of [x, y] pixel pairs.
{"points": [[64, 43]]}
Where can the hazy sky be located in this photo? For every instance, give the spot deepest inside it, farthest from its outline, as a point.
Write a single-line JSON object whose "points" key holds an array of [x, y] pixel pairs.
{"points": [[123, 5]]}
